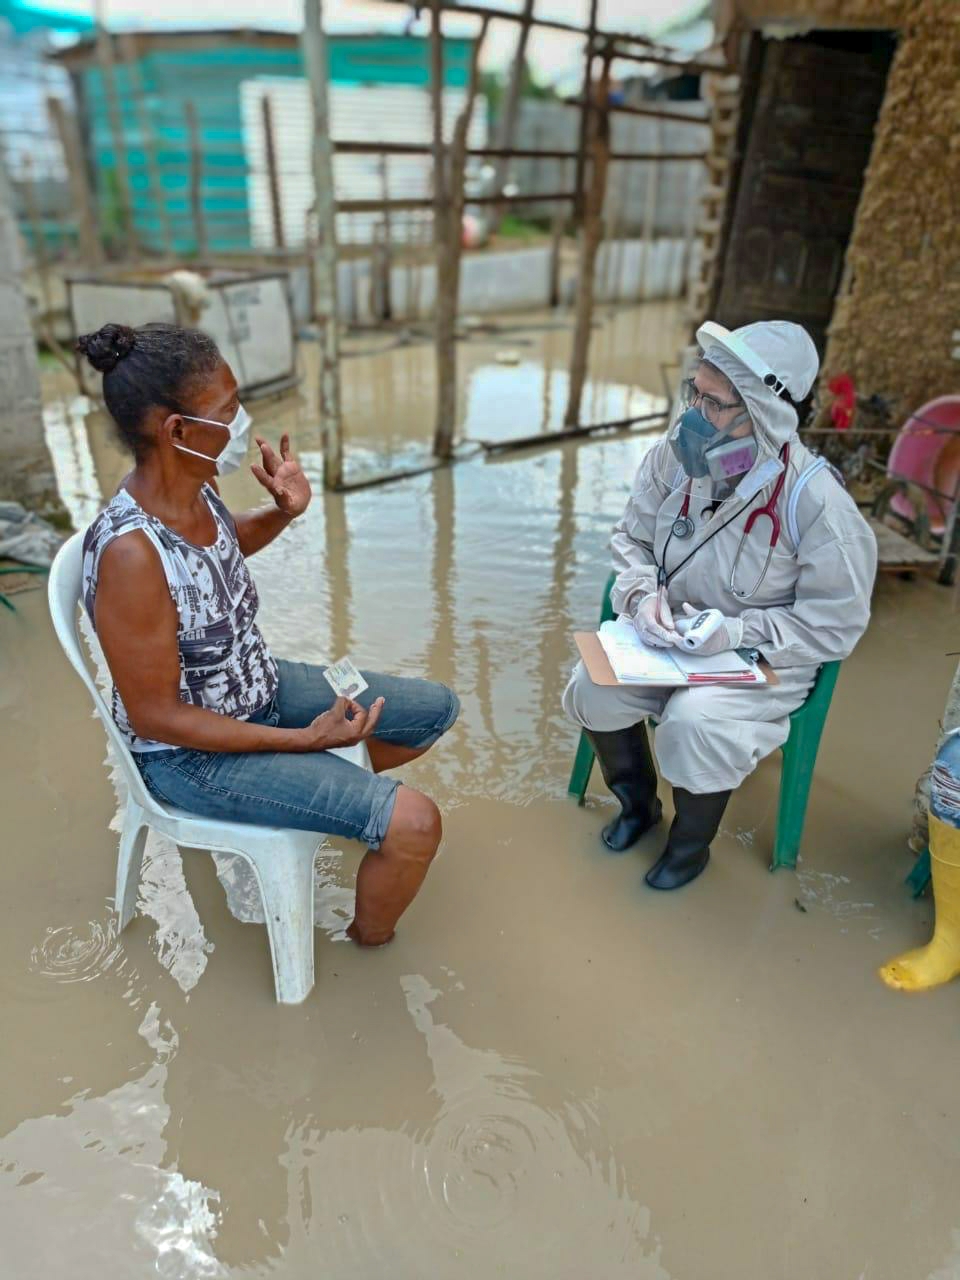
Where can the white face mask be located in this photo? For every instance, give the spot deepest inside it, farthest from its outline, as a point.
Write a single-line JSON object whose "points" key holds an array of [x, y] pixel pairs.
{"points": [[234, 451]]}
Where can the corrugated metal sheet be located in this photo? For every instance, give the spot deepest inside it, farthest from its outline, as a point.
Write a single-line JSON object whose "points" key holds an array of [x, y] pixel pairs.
{"points": [[29, 148], [171, 78], [382, 113], [26, 81], [212, 79]]}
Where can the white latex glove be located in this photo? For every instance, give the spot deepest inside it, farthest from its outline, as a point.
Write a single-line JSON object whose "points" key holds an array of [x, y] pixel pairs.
{"points": [[654, 622], [728, 635]]}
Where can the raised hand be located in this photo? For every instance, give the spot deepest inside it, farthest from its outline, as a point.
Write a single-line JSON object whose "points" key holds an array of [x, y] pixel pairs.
{"points": [[282, 477]]}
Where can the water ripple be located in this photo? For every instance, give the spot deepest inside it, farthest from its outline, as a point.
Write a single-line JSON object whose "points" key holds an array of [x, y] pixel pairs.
{"points": [[497, 1181], [78, 953]]}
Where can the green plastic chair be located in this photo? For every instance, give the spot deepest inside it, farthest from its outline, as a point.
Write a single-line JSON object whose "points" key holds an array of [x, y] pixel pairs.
{"points": [[799, 756], [920, 875]]}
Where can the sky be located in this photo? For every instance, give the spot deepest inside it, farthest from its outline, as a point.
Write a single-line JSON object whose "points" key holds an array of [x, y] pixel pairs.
{"points": [[551, 53]]}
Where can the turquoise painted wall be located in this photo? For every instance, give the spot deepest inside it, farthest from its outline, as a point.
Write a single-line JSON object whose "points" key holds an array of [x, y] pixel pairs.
{"points": [[211, 80], [24, 16]]}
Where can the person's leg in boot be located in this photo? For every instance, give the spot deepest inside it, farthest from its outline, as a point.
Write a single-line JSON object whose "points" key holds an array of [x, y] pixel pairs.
{"points": [[612, 716], [389, 877], [626, 763], [939, 960], [708, 741], [688, 844]]}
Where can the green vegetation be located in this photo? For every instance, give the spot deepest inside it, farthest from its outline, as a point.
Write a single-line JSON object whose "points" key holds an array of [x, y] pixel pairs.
{"points": [[520, 228]]}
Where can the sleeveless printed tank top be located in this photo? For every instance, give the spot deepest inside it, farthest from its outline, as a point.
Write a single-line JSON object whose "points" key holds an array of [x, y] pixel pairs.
{"points": [[225, 664]]}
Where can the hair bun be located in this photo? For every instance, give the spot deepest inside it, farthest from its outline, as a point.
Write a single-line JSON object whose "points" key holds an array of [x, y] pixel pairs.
{"points": [[108, 346]]}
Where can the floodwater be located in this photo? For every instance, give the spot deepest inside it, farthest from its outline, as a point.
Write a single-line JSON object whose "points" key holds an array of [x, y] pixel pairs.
{"points": [[552, 1073]]}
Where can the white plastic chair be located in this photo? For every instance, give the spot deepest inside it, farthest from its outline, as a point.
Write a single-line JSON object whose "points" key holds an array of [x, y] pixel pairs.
{"points": [[282, 860]]}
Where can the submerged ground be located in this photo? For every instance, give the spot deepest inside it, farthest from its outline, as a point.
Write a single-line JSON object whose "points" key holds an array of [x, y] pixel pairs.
{"points": [[553, 1073]]}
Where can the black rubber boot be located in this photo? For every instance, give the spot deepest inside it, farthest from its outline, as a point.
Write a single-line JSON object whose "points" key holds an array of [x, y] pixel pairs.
{"points": [[688, 844], [626, 763]]}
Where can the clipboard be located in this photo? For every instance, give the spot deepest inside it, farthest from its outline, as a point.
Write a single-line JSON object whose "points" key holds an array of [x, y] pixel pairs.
{"points": [[600, 672]]}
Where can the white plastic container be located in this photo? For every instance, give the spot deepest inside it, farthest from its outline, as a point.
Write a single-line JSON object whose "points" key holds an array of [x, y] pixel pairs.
{"points": [[248, 314]]}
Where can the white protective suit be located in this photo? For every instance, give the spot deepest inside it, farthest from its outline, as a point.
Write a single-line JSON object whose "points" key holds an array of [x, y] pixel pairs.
{"points": [[812, 606]]}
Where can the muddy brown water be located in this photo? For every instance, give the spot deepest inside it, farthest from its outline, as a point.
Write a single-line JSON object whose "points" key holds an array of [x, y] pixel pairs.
{"points": [[552, 1073]]}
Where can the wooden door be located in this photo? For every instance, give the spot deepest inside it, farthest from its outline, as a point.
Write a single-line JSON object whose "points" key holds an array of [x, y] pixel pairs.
{"points": [[808, 137]]}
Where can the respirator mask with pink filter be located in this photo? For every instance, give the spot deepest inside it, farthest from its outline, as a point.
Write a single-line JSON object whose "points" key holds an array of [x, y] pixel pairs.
{"points": [[702, 450]]}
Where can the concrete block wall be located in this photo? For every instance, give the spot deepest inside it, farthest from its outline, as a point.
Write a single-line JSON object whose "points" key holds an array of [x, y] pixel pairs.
{"points": [[519, 280]]}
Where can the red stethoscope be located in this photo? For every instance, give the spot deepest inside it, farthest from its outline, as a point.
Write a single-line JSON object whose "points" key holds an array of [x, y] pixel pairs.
{"points": [[683, 527]]}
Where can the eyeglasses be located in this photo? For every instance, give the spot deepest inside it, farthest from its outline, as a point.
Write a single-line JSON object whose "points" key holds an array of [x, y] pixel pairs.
{"points": [[710, 406]]}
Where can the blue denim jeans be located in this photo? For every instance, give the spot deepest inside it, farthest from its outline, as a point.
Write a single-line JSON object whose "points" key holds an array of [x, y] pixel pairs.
{"points": [[315, 791], [945, 782]]}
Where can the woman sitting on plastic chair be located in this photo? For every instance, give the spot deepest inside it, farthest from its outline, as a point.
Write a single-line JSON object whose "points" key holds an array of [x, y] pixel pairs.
{"points": [[216, 724], [731, 514]]}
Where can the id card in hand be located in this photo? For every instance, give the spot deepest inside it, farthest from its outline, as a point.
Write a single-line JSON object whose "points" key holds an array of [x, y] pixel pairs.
{"points": [[344, 679]]}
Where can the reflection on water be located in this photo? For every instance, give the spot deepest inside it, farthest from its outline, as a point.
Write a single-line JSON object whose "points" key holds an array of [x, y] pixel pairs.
{"points": [[332, 900], [181, 945], [481, 1188], [599, 1066], [503, 403], [102, 1163], [951, 1266], [388, 397], [469, 575]]}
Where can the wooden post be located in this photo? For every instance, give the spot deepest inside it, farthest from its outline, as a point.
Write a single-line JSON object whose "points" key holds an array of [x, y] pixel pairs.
{"points": [[336, 565], [441, 654], [65, 126], [458, 161], [128, 48], [556, 249], [591, 234], [446, 300], [508, 123], [195, 145], [119, 142], [586, 99], [315, 58], [273, 174], [449, 249]]}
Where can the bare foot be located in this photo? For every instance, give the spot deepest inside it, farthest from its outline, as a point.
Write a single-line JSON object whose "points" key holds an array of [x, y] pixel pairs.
{"points": [[368, 940]]}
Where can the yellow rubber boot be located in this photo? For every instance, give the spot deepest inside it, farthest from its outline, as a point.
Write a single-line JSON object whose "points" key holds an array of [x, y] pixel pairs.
{"points": [[939, 960]]}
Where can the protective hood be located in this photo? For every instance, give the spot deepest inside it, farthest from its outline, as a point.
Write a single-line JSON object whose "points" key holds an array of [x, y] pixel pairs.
{"points": [[779, 346]]}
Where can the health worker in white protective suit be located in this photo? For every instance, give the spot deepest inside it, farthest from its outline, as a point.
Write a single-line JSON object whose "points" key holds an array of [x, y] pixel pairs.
{"points": [[729, 512]]}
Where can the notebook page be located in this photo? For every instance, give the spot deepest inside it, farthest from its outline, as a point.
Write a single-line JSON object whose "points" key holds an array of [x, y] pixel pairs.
{"points": [[630, 659]]}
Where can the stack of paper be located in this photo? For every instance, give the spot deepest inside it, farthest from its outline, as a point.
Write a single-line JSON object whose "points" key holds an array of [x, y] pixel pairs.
{"points": [[633, 662]]}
